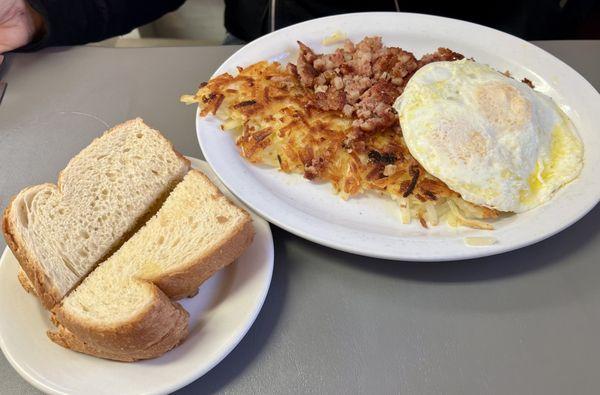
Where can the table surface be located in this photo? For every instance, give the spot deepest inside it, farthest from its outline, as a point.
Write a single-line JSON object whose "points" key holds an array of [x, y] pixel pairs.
{"points": [[524, 322]]}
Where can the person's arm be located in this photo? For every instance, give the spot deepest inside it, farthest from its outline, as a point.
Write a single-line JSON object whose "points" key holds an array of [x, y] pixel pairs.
{"points": [[73, 22]]}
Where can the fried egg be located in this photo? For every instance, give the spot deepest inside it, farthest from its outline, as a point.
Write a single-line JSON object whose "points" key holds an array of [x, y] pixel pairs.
{"points": [[490, 138]]}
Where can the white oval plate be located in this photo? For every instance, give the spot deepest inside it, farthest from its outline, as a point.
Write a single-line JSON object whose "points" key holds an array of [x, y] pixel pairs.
{"points": [[369, 225], [220, 315]]}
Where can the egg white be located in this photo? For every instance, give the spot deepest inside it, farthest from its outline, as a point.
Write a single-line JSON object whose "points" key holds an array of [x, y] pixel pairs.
{"points": [[492, 139]]}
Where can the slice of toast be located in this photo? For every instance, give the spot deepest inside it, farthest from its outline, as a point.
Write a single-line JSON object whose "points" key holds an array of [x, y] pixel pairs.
{"points": [[59, 233], [122, 310]]}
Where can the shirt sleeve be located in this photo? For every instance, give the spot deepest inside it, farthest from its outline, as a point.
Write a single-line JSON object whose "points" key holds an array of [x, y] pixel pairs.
{"points": [[75, 22]]}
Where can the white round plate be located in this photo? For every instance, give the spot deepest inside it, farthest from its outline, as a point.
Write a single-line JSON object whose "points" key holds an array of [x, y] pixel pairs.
{"points": [[220, 315], [370, 225]]}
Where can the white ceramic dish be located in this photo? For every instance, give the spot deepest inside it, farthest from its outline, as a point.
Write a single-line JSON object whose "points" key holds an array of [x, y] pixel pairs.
{"points": [[369, 225], [220, 316]]}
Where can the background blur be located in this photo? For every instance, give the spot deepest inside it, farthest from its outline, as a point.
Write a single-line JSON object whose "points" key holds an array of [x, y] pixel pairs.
{"points": [[200, 22], [197, 22]]}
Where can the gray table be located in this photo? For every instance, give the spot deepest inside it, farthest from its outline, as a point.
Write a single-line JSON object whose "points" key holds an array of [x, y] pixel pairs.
{"points": [[525, 322]]}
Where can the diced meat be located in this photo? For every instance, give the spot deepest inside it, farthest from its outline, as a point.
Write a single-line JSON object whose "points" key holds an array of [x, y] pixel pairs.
{"points": [[395, 65], [374, 110], [293, 70], [362, 80], [332, 99], [329, 62], [313, 169], [442, 54], [305, 67], [347, 110], [528, 82], [354, 86]]}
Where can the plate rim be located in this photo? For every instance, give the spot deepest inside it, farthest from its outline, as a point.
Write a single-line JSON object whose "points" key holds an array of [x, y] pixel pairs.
{"points": [[231, 345], [474, 252]]}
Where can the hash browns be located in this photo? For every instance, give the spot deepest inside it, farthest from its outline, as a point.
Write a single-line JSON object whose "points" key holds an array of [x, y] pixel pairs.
{"points": [[277, 123]]}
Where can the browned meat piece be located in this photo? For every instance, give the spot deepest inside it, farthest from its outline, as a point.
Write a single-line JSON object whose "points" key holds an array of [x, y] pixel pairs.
{"points": [[306, 52], [306, 71], [442, 54], [333, 99], [364, 54], [354, 86], [293, 69], [362, 80], [527, 81], [372, 44], [314, 168], [374, 110], [395, 65], [330, 61]]}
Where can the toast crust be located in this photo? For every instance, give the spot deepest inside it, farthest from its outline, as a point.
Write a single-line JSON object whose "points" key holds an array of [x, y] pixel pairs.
{"points": [[161, 326], [49, 294], [115, 129], [25, 283], [65, 338]]}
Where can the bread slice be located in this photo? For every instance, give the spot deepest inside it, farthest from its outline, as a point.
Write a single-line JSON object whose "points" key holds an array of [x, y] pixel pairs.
{"points": [[60, 232], [122, 310]]}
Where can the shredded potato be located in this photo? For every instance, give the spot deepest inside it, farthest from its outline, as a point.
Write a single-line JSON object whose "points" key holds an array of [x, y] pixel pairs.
{"points": [[462, 220], [276, 123]]}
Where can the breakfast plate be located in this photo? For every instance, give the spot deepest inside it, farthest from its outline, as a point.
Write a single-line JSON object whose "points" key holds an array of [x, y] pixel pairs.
{"points": [[368, 224], [220, 315]]}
